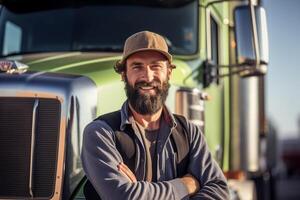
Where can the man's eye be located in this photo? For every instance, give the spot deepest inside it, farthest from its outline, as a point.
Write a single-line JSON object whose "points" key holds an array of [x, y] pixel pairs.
{"points": [[137, 67], [156, 66]]}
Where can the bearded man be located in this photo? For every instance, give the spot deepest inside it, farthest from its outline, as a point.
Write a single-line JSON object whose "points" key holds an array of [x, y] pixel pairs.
{"points": [[143, 151]]}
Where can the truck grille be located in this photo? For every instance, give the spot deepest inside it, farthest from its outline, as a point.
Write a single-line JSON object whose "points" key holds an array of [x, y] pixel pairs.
{"points": [[26, 169]]}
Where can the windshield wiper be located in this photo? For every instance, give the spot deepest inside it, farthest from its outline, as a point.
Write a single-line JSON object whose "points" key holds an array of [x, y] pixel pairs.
{"points": [[82, 49], [100, 48], [18, 53]]}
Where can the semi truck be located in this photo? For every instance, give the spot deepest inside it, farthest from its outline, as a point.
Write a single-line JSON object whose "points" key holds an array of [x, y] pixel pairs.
{"points": [[57, 75]]}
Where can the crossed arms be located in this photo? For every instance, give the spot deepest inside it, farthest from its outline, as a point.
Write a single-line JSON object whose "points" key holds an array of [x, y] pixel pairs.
{"points": [[112, 179], [191, 183]]}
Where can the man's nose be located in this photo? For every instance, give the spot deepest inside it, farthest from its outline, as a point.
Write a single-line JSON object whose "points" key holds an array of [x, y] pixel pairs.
{"points": [[148, 74]]}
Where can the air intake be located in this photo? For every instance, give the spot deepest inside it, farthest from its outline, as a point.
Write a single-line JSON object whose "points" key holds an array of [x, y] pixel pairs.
{"points": [[29, 132], [189, 103]]}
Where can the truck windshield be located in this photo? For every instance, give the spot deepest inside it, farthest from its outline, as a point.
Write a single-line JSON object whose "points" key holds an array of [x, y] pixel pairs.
{"points": [[96, 27]]}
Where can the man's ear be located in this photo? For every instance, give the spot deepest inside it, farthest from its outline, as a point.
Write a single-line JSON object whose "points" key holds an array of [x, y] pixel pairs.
{"points": [[123, 76], [170, 69]]}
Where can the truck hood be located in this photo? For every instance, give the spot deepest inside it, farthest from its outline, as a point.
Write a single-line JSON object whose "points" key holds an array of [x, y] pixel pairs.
{"points": [[93, 65], [96, 66]]}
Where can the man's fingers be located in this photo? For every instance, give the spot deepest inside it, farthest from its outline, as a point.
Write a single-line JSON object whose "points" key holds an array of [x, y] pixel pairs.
{"points": [[191, 183], [125, 167], [123, 172], [127, 172]]}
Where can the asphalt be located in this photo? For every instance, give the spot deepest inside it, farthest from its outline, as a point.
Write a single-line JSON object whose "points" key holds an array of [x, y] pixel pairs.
{"points": [[288, 188]]}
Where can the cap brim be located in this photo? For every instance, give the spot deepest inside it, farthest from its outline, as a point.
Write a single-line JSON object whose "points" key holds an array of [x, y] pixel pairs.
{"points": [[166, 54], [121, 62]]}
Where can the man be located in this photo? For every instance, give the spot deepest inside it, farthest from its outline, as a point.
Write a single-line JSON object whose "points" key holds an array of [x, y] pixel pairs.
{"points": [[142, 133]]}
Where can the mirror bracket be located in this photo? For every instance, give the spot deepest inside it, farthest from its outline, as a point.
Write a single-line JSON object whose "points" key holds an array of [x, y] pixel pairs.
{"points": [[206, 72]]}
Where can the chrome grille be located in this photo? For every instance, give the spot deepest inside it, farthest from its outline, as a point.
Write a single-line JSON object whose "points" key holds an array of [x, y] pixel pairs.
{"points": [[28, 149]]}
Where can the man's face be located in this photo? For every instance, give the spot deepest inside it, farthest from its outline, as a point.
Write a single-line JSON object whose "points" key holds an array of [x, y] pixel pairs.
{"points": [[146, 81]]}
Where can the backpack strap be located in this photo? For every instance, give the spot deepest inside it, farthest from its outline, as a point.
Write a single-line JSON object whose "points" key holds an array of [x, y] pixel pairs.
{"points": [[180, 141], [124, 144], [113, 119], [124, 140]]}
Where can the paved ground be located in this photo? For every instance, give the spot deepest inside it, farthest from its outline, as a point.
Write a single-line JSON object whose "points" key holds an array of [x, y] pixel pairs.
{"points": [[288, 188], [288, 184]]}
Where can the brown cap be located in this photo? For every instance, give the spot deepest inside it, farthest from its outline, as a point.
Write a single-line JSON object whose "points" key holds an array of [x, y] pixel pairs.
{"points": [[143, 41]]}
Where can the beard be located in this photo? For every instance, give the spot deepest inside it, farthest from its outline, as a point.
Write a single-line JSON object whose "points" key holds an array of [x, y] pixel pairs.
{"points": [[147, 104]]}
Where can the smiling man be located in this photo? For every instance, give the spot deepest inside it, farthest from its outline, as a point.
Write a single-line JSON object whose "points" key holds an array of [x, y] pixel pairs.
{"points": [[143, 151]]}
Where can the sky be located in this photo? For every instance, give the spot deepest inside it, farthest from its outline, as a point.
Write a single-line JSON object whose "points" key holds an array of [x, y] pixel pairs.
{"points": [[283, 78]]}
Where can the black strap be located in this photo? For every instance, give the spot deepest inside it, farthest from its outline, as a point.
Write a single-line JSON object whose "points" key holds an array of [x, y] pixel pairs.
{"points": [[124, 144], [180, 138], [124, 140], [113, 119]]}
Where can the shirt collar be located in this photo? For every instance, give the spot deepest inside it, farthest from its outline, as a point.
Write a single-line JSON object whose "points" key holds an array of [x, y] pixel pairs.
{"points": [[126, 114]]}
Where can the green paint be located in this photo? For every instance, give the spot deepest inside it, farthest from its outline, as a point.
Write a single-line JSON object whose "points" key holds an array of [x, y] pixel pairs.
{"points": [[99, 68]]}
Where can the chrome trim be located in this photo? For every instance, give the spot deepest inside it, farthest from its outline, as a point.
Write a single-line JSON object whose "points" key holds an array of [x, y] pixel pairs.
{"points": [[33, 132], [249, 124], [184, 107], [12, 67], [254, 32]]}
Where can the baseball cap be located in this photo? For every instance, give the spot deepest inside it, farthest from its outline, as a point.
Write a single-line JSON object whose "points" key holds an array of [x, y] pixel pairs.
{"points": [[143, 41]]}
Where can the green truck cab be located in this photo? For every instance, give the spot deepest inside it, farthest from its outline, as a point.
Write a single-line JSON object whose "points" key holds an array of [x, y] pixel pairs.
{"points": [[57, 75]]}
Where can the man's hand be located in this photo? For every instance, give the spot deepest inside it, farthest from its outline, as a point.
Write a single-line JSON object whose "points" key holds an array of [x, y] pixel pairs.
{"points": [[191, 184], [188, 180], [127, 172]]}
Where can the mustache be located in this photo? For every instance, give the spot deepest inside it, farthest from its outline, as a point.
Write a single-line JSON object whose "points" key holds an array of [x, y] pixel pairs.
{"points": [[147, 84]]}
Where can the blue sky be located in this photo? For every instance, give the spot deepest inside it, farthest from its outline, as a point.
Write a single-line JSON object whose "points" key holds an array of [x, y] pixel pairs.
{"points": [[283, 79]]}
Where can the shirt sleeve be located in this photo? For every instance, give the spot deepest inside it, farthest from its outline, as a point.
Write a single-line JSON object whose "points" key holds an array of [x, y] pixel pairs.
{"points": [[213, 184], [100, 159]]}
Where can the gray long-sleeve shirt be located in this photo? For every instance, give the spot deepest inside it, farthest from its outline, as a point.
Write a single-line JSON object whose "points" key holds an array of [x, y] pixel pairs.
{"points": [[100, 158]]}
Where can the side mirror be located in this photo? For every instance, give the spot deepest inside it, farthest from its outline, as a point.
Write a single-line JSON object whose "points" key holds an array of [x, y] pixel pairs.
{"points": [[252, 48]]}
